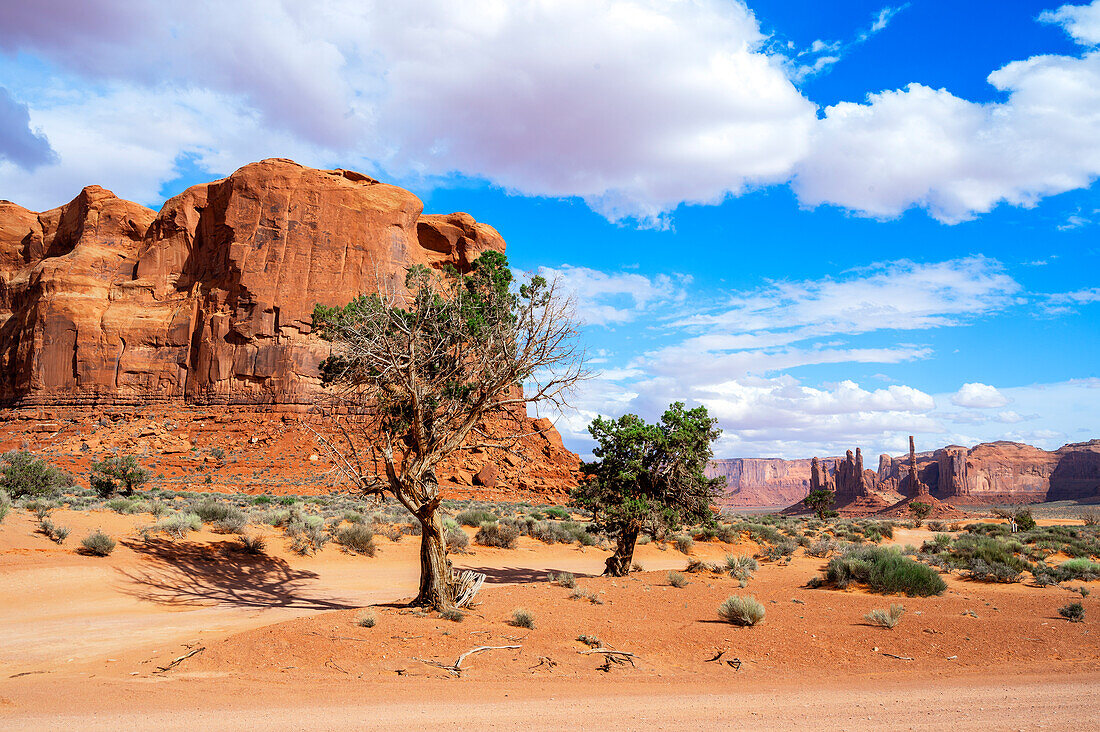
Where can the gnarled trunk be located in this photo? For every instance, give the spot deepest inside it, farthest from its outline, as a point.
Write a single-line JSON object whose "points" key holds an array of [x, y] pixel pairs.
{"points": [[436, 590], [619, 563]]}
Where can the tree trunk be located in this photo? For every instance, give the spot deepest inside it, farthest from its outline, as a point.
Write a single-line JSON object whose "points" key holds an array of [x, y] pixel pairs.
{"points": [[435, 568], [619, 563]]}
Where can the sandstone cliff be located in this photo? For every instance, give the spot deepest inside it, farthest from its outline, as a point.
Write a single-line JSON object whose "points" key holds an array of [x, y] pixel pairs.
{"points": [[988, 473], [107, 305]]}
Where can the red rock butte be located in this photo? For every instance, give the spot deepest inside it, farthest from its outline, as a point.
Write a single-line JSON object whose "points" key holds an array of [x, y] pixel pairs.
{"points": [[108, 305]]}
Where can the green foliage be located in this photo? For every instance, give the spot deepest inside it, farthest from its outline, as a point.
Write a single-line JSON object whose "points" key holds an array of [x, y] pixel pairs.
{"points": [[475, 517], [820, 501], [56, 534], [25, 475], [98, 544], [117, 474], [1024, 520], [884, 570], [742, 610], [557, 512], [920, 511], [650, 476]]}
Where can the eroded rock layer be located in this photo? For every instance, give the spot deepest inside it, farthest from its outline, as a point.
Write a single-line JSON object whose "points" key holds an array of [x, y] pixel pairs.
{"points": [[107, 304]]}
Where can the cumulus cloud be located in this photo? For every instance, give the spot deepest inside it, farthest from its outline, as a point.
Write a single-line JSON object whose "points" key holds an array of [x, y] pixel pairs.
{"points": [[979, 396], [1081, 22], [19, 144], [616, 298]]}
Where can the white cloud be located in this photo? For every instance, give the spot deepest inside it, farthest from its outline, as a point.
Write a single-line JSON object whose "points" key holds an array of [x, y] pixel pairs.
{"points": [[615, 298], [1060, 303], [1081, 22], [823, 55], [979, 396]]}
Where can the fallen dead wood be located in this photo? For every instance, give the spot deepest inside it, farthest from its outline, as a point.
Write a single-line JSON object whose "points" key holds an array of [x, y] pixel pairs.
{"points": [[900, 658], [456, 669], [611, 656], [181, 659]]}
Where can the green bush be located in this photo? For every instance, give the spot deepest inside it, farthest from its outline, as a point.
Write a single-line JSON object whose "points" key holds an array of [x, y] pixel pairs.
{"points": [[1024, 520], [741, 610], [356, 538], [498, 535], [741, 567], [24, 475], [884, 570], [98, 544], [557, 512], [56, 534], [117, 474]]}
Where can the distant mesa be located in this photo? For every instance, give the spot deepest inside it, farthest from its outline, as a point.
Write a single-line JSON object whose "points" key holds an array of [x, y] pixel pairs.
{"points": [[986, 474]]}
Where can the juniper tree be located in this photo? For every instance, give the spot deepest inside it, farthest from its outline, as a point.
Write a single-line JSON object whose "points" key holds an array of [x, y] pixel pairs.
{"points": [[820, 501], [118, 474], [648, 476], [414, 375]]}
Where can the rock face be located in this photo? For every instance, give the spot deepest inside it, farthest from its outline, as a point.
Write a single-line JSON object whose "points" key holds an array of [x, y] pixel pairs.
{"points": [[989, 473], [210, 300], [105, 303]]}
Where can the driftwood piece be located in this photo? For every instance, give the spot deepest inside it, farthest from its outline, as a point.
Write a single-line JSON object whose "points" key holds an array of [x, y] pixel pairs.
{"points": [[181, 659], [456, 669]]}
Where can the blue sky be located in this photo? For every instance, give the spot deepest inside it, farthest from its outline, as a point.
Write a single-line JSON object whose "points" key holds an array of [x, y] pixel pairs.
{"points": [[835, 224]]}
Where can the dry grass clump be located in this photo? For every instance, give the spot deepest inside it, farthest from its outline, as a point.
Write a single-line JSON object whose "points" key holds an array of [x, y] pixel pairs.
{"points": [[1073, 612], [677, 579], [56, 534], [583, 594], [498, 535], [742, 610], [366, 620], [523, 618], [358, 538], [453, 614], [98, 544], [741, 567], [885, 618], [565, 579], [457, 540], [684, 544], [253, 543]]}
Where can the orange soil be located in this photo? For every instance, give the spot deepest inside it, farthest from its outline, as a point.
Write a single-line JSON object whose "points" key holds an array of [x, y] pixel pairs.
{"points": [[84, 637]]}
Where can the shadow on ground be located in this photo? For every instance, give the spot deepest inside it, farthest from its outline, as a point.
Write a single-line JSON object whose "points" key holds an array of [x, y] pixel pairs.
{"points": [[515, 575], [188, 573]]}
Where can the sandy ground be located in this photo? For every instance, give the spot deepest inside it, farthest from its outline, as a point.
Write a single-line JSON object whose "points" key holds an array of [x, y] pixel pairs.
{"points": [[280, 646]]}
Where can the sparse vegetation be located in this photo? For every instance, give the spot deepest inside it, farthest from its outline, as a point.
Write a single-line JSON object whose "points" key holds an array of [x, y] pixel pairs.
{"points": [[457, 540], [253, 543], [885, 618], [565, 579], [118, 474], [684, 544], [742, 610], [1073, 612], [523, 619], [453, 614], [741, 568], [475, 517], [25, 475], [98, 544], [366, 620], [919, 511], [356, 538], [884, 570], [56, 534], [498, 535], [677, 579]]}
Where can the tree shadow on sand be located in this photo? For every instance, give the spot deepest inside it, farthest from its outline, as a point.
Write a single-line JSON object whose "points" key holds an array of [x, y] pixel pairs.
{"points": [[516, 575], [191, 574]]}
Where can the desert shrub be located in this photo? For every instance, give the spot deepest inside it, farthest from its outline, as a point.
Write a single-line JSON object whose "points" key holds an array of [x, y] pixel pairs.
{"points": [[784, 548], [178, 525], [741, 610], [1090, 517], [684, 544], [697, 566], [820, 549], [557, 512], [56, 534], [413, 528], [937, 526], [565, 579], [583, 594], [217, 453], [356, 538], [590, 640], [353, 517], [210, 510], [117, 474], [24, 475], [1073, 612], [262, 500], [98, 544], [1077, 569], [523, 618], [5, 506], [741, 568], [1024, 520], [393, 533], [884, 570], [637, 567], [474, 518], [159, 509], [366, 620], [885, 618], [677, 579], [253, 543], [308, 540], [498, 535], [457, 540], [981, 571]]}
